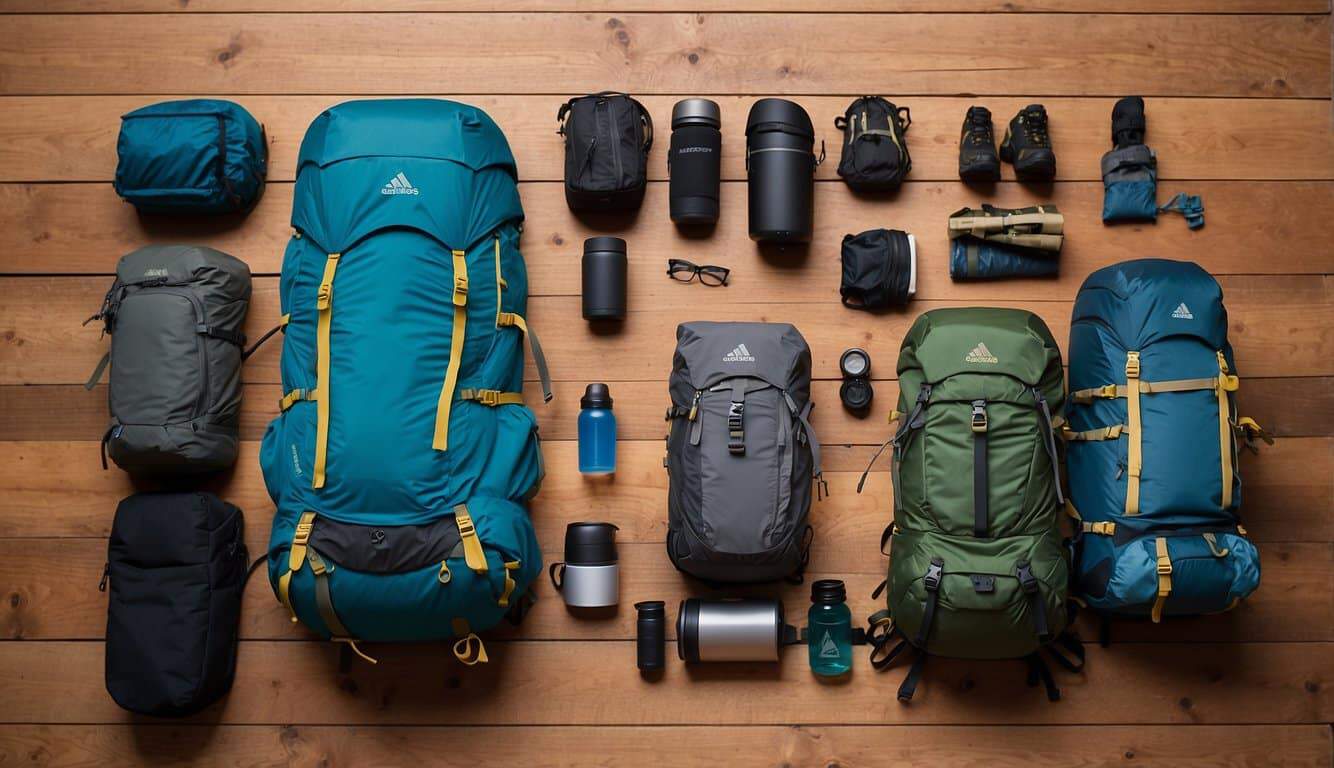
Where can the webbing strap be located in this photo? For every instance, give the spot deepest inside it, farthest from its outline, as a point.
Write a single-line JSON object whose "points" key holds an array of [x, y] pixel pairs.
{"points": [[295, 396], [934, 572], [504, 319], [323, 599], [1164, 578], [296, 557], [1134, 458], [1111, 391], [446, 401], [510, 584], [1048, 428], [492, 397], [909, 685], [1225, 427], [324, 304], [473, 553], [468, 649], [1101, 433], [979, 424], [1100, 528], [1029, 583]]}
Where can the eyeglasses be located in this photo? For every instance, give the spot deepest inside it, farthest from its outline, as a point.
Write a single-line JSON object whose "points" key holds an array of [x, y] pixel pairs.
{"points": [[684, 271]]}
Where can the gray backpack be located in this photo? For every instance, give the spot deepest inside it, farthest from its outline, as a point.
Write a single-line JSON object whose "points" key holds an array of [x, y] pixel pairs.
{"points": [[741, 453], [175, 314]]}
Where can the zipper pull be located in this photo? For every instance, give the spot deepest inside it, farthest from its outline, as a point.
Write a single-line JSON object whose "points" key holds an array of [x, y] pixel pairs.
{"points": [[1120, 469], [106, 574], [694, 407]]}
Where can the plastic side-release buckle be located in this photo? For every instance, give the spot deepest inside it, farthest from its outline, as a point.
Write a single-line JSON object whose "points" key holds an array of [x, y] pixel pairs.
{"points": [[933, 573]]}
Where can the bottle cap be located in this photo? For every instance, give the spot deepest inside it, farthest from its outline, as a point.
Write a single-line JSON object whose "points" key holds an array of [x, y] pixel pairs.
{"points": [[596, 396], [829, 591], [590, 544], [696, 112], [604, 243]]}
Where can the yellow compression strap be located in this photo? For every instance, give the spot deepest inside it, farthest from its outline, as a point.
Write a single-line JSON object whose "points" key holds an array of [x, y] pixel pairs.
{"points": [[1101, 433], [460, 298], [323, 303], [1110, 391], [1164, 578], [500, 283], [473, 554], [469, 648], [491, 396], [295, 396], [296, 557], [1134, 460], [1223, 385], [510, 584]]}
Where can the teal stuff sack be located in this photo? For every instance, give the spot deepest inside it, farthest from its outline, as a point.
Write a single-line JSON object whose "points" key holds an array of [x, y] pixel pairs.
{"points": [[189, 157], [1130, 184]]}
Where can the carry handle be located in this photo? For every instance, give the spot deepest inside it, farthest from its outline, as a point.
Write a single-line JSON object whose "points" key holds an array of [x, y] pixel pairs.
{"points": [[557, 581]]}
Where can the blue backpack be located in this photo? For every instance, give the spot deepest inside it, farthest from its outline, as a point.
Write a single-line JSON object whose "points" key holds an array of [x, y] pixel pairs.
{"points": [[1152, 444], [192, 156], [403, 458]]}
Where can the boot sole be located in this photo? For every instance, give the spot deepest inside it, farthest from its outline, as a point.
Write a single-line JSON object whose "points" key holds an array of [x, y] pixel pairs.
{"points": [[1037, 165], [985, 169]]}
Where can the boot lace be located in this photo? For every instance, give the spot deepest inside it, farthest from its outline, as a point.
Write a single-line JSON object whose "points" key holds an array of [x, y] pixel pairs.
{"points": [[979, 128], [1035, 127]]}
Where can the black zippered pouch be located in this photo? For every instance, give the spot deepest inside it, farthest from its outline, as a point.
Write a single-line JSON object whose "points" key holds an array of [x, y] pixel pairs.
{"points": [[875, 145], [607, 140]]}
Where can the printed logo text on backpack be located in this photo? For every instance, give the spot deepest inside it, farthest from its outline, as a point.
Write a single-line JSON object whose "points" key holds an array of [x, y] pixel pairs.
{"points": [[399, 185], [739, 354], [1182, 312], [980, 354]]}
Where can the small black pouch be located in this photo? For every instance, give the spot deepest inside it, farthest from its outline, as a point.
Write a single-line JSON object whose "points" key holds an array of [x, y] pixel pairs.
{"points": [[607, 139], [875, 146], [176, 564], [878, 269]]}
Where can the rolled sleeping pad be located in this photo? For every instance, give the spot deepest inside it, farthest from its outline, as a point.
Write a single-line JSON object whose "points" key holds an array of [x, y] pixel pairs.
{"points": [[972, 259]]}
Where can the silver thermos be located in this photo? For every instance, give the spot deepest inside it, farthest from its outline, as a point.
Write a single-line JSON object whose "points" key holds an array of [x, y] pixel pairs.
{"points": [[731, 630]]}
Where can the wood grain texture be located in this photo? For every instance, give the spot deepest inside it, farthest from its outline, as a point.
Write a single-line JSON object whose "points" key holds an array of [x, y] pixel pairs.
{"points": [[1279, 326], [39, 236], [875, 746], [49, 594], [667, 53], [62, 138], [585, 683], [59, 490], [770, 6]]}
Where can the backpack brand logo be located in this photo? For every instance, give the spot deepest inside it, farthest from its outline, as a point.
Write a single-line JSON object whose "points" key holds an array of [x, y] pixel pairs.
{"points": [[156, 272], [739, 354], [828, 649], [1182, 312], [980, 354], [399, 185]]}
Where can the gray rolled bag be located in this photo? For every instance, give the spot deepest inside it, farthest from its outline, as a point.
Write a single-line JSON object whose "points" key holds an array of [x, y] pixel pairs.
{"points": [[175, 315]]}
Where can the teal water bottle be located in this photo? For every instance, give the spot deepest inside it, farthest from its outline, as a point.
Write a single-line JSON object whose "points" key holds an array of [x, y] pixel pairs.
{"points": [[829, 629]]}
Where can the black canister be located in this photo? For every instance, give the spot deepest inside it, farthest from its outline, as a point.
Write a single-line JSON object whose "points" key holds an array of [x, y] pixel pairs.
{"points": [[650, 635], [693, 161], [780, 171], [604, 276]]}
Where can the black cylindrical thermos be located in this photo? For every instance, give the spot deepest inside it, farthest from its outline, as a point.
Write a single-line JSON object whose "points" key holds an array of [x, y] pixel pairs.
{"points": [[650, 635], [693, 161], [780, 171], [604, 271]]}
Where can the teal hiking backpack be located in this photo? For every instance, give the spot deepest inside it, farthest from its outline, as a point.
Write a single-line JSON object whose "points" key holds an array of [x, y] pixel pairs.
{"points": [[404, 457], [978, 565], [1152, 436]]}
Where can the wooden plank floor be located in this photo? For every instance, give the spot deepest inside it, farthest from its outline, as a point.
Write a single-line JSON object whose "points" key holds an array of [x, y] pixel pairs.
{"points": [[1239, 111]]}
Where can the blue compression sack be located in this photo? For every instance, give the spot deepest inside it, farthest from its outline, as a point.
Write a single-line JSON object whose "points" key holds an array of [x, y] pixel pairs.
{"points": [[192, 156], [1130, 184]]}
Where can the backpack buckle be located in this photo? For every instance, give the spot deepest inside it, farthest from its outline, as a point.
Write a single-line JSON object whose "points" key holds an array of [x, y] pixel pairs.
{"points": [[1026, 578], [933, 573], [979, 416], [302, 534], [1132, 365], [736, 431]]}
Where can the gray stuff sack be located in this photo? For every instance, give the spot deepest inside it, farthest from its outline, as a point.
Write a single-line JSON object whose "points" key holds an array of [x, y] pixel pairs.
{"points": [[741, 454], [175, 314]]}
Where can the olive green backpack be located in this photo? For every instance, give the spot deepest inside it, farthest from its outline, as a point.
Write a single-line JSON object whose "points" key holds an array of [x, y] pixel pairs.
{"points": [[978, 567]]}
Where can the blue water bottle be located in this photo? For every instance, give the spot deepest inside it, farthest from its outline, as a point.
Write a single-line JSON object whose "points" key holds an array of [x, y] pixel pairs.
{"points": [[829, 631], [597, 432]]}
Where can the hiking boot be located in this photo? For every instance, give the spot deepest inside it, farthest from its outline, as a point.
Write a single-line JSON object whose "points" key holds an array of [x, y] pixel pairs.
{"points": [[977, 147], [1028, 146]]}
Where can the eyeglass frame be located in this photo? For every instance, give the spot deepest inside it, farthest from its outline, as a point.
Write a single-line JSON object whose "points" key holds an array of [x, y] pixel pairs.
{"points": [[678, 266]]}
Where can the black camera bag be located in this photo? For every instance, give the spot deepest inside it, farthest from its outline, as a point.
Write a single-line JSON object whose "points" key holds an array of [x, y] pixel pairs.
{"points": [[607, 139]]}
